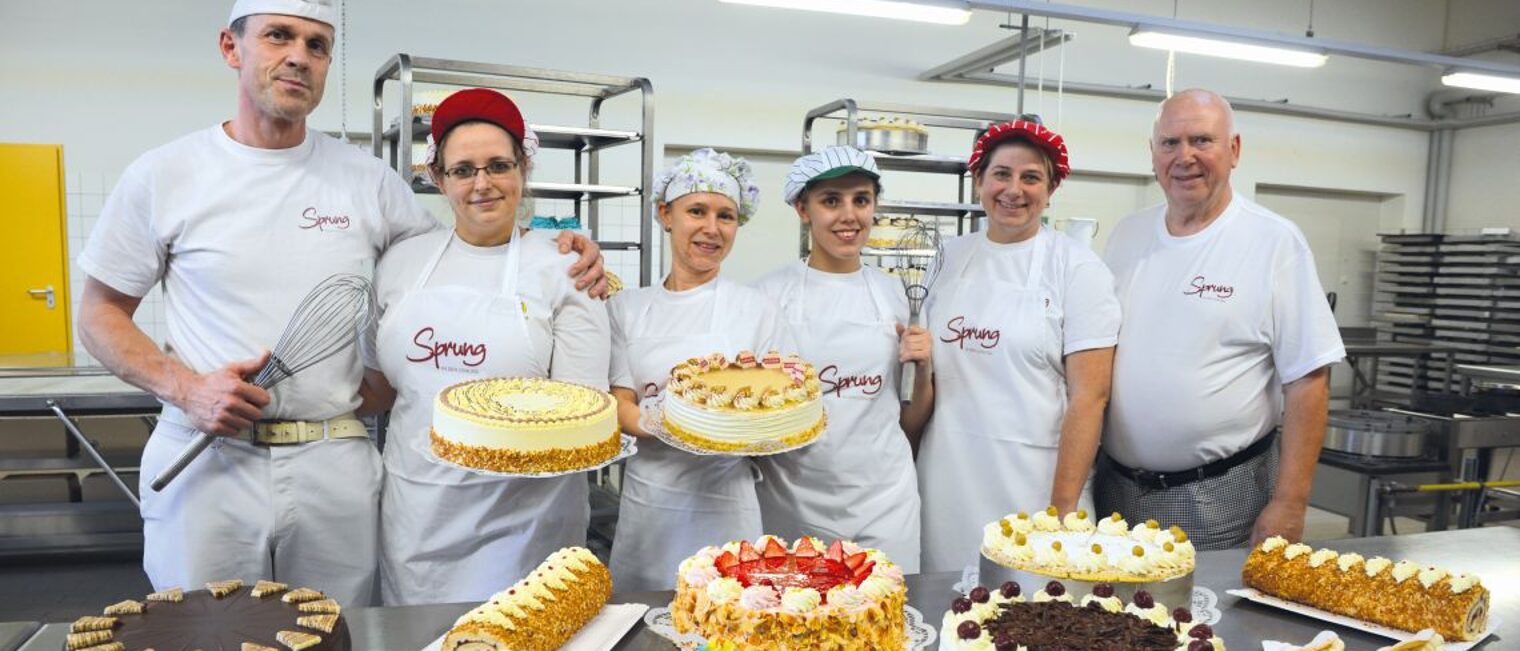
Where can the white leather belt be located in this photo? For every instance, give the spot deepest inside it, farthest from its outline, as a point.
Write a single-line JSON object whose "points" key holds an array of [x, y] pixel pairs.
{"points": [[289, 432], [286, 432]]}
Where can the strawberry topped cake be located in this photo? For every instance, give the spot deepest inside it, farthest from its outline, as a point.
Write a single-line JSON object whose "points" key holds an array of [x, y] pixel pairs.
{"points": [[772, 596]]}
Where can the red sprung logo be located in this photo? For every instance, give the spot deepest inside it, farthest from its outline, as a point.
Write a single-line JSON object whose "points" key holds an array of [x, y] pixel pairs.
{"points": [[1213, 291], [469, 354], [985, 337], [834, 382], [322, 222]]}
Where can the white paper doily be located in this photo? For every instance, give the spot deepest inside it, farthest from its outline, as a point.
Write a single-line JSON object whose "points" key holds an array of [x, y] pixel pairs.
{"points": [[652, 420], [627, 447], [658, 620]]}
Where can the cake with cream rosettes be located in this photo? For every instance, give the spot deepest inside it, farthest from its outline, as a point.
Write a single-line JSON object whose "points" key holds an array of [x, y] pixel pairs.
{"points": [[1405, 595], [771, 596], [1077, 548], [891, 232], [745, 404], [540, 612], [1005, 620], [524, 425]]}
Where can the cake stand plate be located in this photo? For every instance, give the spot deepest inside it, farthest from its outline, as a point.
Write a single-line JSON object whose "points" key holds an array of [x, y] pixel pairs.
{"points": [[658, 620], [1252, 594], [652, 420], [628, 446]]}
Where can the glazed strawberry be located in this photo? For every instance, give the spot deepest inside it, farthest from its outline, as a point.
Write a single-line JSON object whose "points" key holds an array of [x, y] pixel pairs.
{"points": [[805, 549], [726, 562], [863, 571], [854, 561], [774, 549], [747, 552], [805, 564], [836, 552]]}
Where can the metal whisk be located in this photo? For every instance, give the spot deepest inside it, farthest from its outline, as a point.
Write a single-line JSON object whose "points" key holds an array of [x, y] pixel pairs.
{"points": [[325, 323], [923, 243]]}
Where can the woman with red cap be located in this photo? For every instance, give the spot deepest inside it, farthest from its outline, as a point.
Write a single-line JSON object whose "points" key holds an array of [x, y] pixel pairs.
{"points": [[1024, 321], [502, 302]]}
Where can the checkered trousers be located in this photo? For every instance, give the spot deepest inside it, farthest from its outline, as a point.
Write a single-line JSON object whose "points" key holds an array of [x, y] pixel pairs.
{"points": [[1216, 513]]}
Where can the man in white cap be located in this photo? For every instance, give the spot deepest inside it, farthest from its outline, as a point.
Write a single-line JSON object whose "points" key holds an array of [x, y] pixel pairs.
{"points": [[238, 222], [1226, 334]]}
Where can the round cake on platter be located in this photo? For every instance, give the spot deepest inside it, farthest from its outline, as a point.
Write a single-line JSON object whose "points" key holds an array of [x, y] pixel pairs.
{"points": [[890, 232], [268, 616], [524, 425], [1003, 619], [747, 404], [771, 596], [1032, 549]]}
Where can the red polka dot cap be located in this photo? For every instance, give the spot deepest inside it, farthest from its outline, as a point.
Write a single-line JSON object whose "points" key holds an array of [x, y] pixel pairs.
{"points": [[1035, 134]]}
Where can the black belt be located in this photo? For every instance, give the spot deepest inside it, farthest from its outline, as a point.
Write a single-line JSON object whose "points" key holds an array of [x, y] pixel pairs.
{"points": [[1165, 480]]}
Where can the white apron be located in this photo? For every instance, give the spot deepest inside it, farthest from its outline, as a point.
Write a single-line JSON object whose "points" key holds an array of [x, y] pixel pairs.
{"points": [[858, 483], [674, 502], [447, 535], [1000, 394]]}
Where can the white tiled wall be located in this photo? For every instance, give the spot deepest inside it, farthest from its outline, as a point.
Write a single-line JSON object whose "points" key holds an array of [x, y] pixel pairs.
{"points": [[85, 193]]}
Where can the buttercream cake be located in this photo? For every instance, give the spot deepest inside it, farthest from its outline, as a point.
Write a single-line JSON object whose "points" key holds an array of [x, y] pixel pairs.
{"points": [[1405, 595], [225, 615], [524, 425], [771, 596], [736, 405], [540, 612], [1077, 548], [890, 232], [1003, 618]]}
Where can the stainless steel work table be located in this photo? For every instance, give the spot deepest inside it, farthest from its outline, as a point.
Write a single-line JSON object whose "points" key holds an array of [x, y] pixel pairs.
{"points": [[12, 634], [1489, 552]]}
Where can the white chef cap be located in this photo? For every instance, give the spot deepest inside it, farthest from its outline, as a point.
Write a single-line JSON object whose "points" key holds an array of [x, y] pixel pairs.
{"points": [[318, 10], [829, 163], [706, 170]]}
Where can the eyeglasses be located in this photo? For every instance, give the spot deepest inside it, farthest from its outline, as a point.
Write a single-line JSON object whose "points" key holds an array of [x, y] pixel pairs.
{"points": [[494, 169]]}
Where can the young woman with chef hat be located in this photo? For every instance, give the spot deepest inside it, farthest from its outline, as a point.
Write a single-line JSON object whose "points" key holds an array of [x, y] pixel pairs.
{"points": [[672, 499], [1024, 321], [484, 299], [847, 319]]}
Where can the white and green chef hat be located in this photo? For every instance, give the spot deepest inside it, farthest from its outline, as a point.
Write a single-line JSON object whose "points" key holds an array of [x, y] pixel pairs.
{"points": [[828, 163], [706, 170]]}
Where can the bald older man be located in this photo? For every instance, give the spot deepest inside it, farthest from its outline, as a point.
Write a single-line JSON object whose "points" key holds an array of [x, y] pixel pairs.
{"points": [[1227, 335]]}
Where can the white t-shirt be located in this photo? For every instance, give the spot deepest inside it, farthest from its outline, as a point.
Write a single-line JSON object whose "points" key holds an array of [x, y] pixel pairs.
{"points": [[239, 235], [1214, 324], [572, 324], [833, 296], [1075, 282], [749, 320]]}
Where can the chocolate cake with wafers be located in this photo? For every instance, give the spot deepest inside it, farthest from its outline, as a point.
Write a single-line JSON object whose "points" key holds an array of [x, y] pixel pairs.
{"points": [[225, 615]]}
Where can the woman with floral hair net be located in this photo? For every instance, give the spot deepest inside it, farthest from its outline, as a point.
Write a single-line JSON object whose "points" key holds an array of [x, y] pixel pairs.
{"points": [[671, 498]]}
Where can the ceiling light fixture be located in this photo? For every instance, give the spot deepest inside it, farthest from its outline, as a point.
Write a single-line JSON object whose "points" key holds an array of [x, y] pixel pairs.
{"points": [[1477, 81], [1145, 36], [941, 13]]}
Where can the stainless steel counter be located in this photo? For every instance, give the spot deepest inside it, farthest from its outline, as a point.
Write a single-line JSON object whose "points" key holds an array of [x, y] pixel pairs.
{"points": [[1489, 552], [12, 634]]}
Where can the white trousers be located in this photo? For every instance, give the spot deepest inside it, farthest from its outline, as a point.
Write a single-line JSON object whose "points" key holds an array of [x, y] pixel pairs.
{"points": [[305, 514]]}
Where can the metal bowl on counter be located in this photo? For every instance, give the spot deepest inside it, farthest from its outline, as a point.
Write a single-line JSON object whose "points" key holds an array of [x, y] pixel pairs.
{"points": [[1173, 592], [890, 136], [1376, 433]]}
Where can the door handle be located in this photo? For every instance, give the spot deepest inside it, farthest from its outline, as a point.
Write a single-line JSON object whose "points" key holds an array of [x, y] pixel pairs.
{"points": [[45, 292]]}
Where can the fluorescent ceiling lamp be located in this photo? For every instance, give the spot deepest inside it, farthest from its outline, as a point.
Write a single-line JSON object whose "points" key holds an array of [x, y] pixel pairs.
{"points": [[1147, 37], [942, 13], [1482, 82]]}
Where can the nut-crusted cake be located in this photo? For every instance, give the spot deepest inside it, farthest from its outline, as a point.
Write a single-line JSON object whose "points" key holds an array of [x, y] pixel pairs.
{"points": [[1002, 620], [540, 612], [524, 425], [770, 596], [1076, 548], [724, 405], [226, 615], [1404, 595]]}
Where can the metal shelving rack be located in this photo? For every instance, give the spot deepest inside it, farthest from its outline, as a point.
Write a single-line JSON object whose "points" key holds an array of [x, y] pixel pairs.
{"points": [[1458, 292], [586, 142], [964, 210]]}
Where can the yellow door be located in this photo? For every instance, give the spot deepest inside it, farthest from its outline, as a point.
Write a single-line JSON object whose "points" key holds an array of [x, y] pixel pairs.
{"points": [[34, 287]]}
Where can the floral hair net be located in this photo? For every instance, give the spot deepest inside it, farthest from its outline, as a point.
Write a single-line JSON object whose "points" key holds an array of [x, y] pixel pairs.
{"points": [[705, 170]]}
